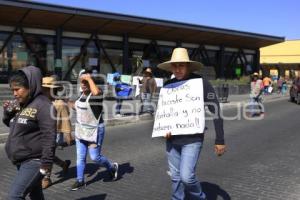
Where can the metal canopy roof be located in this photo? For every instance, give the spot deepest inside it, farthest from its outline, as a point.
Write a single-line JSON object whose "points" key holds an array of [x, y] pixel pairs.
{"points": [[38, 15]]}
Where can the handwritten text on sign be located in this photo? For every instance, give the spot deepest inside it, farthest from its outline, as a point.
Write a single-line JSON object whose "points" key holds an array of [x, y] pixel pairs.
{"points": [[180, 109]]}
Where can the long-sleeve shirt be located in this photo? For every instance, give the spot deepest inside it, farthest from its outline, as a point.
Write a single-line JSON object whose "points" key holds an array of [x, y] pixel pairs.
{"points": [[148, 85], [256, 88], [63, 120], [210, 99]]}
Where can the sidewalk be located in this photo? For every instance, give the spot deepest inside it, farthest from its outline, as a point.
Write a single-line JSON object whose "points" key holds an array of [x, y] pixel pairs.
{"points": [[234, 100], [130, 110]]}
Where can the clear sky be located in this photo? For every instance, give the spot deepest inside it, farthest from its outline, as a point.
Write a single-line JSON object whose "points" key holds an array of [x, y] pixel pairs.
{"points": [[270, 17]]}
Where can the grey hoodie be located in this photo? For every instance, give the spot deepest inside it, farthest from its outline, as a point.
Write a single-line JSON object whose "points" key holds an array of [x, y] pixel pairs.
{"points": [[32, 130]]}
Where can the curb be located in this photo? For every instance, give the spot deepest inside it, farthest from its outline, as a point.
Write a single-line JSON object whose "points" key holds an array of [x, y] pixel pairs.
{"points": [[233, 104]]}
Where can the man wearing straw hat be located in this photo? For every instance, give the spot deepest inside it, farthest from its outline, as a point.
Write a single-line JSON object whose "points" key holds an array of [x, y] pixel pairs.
{"points": [[147, 91], [257, 88], [183, 150], [64, 127]]}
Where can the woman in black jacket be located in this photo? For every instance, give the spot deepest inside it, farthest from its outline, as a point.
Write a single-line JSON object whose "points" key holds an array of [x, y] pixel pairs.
{"points": [[31, 141]]}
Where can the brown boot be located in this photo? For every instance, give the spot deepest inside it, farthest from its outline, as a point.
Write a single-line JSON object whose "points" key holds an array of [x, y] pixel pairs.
{"points": [[65, 166], [46, 182]]}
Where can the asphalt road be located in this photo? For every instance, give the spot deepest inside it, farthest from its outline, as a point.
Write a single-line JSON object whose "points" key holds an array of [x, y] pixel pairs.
{"points": [[262, 162]]}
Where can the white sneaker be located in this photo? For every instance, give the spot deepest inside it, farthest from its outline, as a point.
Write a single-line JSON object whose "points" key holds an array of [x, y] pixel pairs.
{"points": [[169, 173], [114, 172]]}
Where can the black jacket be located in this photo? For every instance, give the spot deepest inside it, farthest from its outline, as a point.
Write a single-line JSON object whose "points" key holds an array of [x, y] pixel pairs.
{"points": [[32, 130]]}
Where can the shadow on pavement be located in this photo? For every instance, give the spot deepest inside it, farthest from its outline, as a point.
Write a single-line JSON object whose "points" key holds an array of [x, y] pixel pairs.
{"points": [[94, 197], [91, 169], [129, 114], [124, 168], [214, 192]]}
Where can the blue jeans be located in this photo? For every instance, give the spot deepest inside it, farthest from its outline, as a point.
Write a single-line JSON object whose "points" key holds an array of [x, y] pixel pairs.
{"points": [[119, 105], [255, 106], [182, 160], [95, 154], [146, 103], [27, 181], [284, 89]]}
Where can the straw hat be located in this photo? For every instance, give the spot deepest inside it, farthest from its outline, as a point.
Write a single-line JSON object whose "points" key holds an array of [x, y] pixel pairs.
{"points": [[149, 70], [49, 82], [180, 55]]}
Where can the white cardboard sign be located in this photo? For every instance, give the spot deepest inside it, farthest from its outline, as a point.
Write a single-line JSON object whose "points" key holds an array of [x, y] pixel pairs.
{"points": [[180, 109]]}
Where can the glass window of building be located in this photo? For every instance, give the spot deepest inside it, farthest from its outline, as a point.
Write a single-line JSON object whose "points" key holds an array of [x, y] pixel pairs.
{"points": [[43, 52], [250, 59], [19, 54], [4, 70], [212, 56], [166, 52], [16, 54], [70, 52], [136, 51], [229, 64], [114, 51]]}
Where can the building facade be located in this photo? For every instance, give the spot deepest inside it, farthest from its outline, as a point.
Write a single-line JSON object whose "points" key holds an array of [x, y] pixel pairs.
{"points": [[63, 40], [281, 59]]}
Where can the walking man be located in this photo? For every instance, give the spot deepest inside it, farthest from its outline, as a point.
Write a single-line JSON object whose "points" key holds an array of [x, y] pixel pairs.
{"points": [[64, 127], [257, 88], [183, 150], [148, 89]]}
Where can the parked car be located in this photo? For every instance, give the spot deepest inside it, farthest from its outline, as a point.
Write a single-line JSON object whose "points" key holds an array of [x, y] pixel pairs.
{"points": [[295, 91]]}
